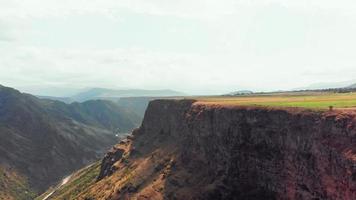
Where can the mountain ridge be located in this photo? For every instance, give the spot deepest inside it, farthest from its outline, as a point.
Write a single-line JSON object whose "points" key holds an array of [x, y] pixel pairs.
{"points": [[104, 93], [352, 86], [44, 140]]}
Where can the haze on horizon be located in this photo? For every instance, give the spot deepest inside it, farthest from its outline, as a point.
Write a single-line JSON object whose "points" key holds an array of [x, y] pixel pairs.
{"points": [[197, 47]]}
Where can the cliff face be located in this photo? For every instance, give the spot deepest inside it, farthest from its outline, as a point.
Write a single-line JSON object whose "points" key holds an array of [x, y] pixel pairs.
{"points": [[188, 150]]}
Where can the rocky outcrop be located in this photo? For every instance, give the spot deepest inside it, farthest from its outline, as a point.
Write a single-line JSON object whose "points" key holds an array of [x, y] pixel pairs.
{"points": [[115, 154], [188, 150]]}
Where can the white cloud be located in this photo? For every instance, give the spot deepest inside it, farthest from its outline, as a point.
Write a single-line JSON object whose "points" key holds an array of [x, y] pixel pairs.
{"points": [[197, 45], [184, 8], [45, 8]]}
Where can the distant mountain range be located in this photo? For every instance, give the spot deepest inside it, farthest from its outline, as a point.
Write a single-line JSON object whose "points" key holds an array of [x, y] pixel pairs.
{"points": [[102, 93], [352, 86], [337, 86], [43, 140], [112, 94], [328, 85], [240, 92]]}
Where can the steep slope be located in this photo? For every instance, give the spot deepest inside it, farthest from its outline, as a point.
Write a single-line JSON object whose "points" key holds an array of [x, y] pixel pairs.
{"points": [[98, 113], [67, 100], [77, 182], [42, 140], [190, 150], [14, 186]]}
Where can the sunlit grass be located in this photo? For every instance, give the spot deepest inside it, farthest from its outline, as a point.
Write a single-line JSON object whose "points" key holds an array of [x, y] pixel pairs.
{"points": [[317, 100], [79, 182]]}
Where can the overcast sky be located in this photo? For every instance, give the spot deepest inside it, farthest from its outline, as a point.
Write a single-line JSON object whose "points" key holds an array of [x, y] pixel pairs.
{"points": [[194, 46]]}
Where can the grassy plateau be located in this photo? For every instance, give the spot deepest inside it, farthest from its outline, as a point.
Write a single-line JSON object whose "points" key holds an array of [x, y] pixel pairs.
{"points": [[320, 100]]}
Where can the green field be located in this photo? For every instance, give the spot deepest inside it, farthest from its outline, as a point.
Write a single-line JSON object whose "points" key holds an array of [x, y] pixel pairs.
{"points": [[306, 100]]}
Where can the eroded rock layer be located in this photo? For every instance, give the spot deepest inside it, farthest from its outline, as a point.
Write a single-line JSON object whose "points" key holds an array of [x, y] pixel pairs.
{"points": [[187, 150]]}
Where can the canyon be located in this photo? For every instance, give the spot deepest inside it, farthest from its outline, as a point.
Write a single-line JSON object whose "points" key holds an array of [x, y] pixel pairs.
{"points": [[186, 149], [42, 140]]}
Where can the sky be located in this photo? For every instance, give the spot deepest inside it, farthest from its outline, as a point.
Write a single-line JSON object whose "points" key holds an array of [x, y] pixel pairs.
{"points": [[53, 47]]}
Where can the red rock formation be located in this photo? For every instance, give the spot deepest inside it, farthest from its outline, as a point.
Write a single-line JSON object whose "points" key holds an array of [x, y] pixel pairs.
{"points": [[187, 150]]}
